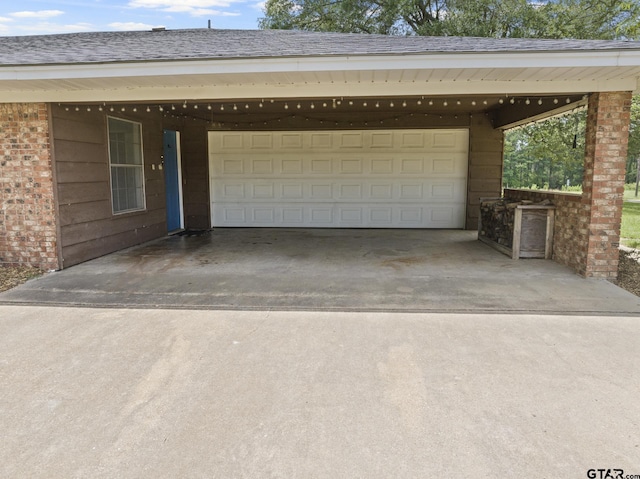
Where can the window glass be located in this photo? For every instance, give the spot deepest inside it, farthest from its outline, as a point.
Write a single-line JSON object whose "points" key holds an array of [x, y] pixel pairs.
{"points": [[126, 162]]}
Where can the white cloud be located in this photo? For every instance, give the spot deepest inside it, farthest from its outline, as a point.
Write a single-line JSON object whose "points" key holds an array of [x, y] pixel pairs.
{"points": [[43, 28], [194, 4], [37, 14], [260, 5], [195, 8], [199, 12], [128, 26]]}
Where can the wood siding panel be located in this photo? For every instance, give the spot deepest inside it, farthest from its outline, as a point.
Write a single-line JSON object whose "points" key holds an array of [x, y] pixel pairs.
{"points": [[485, 166], [83, 232], [80, 252], [89, 228], [81, 151], [69, 193], [83, 128], [81, 212], [76, 172], [195, 183]]}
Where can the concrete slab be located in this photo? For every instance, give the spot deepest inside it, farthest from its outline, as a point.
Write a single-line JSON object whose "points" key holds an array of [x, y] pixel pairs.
{"points": [[105, 393], [340, 270]]}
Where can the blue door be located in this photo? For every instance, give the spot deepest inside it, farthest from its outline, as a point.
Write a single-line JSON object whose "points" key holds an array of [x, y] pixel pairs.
{"points": [[172, 180]]}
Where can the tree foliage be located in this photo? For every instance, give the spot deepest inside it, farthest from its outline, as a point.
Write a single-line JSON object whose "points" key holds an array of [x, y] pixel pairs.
{"points": [[549, 154], [604, 19]]}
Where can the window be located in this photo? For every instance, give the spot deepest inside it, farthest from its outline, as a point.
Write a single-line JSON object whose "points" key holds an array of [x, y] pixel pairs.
{"points": [[127, 171]]}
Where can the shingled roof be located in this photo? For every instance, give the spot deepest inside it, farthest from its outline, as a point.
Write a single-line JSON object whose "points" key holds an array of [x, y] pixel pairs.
{"points": [[201, 44]]}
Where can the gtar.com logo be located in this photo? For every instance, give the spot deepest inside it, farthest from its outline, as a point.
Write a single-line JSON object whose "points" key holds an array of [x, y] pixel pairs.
{"points": [[605, 474]]}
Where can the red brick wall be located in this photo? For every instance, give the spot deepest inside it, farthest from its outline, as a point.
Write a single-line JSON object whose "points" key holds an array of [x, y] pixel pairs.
{"points": [[603, 185], [587, 228], [28, 234]]}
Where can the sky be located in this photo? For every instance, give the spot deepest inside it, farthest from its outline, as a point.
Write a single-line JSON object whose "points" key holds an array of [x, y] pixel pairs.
{"points": [[35, 17]]}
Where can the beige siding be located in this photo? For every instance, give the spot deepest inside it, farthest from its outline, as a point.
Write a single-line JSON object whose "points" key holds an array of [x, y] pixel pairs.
{"points": [[485, 166]]}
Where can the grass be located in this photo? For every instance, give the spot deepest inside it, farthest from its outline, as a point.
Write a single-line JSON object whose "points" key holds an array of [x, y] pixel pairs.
{"points": [[630, 231], [630, 192]]}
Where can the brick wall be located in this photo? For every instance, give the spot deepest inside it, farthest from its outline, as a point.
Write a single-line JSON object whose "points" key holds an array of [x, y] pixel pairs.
{"points": [[603, 185], [587, 227], [28, 234]]}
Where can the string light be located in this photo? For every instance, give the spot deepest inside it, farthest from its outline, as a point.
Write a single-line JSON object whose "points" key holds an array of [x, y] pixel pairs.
{"points": [[527, 101], [540, 101], [235, 107], [312, 106]]}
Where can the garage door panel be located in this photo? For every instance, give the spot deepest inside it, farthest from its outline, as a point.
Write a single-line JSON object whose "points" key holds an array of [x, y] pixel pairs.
{"points": [[410, 178], [340, 215]]}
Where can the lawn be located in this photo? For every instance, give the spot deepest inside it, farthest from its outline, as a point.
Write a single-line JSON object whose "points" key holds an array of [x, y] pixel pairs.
{"points": [[630, 231]]}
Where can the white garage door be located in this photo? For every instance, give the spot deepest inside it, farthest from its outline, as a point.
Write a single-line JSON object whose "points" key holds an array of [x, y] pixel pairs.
{"points": [[348, 179]]}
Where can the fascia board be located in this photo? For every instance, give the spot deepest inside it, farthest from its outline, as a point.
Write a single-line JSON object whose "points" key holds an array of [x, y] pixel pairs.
{"points": [[511, 60]]}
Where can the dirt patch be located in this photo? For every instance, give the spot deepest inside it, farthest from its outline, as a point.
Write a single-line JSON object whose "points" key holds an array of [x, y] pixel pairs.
{"points": [[629, 271], [12, 276]]}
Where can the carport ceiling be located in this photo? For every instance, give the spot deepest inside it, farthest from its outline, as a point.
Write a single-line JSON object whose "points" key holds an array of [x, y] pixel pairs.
{"points": [[504, 109]]}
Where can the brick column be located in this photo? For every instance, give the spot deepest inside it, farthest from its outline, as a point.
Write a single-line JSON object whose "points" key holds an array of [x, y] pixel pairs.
{"points": [[28, 228], [606, 139]]}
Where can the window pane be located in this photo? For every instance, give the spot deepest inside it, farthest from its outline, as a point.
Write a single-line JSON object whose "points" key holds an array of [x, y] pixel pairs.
{"points": [[127, 170]]}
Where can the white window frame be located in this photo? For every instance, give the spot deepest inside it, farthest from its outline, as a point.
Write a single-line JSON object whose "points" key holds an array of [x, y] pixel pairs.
{"points": [[112, 165]]}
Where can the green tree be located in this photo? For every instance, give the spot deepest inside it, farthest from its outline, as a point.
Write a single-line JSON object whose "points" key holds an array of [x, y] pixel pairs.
{"points": [[549, 154], [605, 19], [634, 141]]}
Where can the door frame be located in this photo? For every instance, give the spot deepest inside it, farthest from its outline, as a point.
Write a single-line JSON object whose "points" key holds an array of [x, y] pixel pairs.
{"points": [[179, 176]]}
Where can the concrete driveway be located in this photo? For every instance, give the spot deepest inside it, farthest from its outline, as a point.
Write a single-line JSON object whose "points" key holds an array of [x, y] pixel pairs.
{"points": [[334, 270], [103, 393]]}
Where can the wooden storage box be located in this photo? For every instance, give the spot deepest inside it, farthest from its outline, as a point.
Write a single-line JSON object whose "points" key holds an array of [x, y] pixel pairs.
{"points": [[527, 233]]}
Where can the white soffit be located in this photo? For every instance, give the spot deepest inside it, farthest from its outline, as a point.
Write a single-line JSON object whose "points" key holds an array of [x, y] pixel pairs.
{"points": [[291, 77]]}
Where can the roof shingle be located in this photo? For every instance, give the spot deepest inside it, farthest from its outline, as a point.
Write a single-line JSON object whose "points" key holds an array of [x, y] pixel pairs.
{"points": [[201, 44]]}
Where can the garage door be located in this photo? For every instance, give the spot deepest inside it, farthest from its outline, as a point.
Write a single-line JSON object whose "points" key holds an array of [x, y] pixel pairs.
{"points": [[348, 179]]}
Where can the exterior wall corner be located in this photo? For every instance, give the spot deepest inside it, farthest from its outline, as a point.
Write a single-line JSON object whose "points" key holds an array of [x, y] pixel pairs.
{"points": [[28, 218]]}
